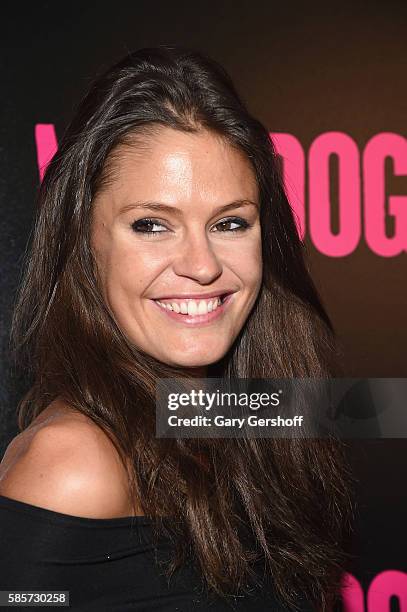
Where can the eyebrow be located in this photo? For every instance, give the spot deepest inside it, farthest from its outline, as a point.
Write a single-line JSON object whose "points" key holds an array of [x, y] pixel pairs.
{"points": [[159, 207]]}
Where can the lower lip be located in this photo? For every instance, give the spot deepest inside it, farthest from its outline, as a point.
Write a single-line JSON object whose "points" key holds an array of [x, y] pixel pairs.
{"points": [[197, 319]]}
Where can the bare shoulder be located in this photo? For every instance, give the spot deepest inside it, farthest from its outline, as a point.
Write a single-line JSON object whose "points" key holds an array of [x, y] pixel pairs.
{"points": [[66, 463]]}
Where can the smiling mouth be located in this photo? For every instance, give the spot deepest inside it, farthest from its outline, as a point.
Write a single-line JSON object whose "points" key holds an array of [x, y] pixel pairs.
{"points": [[193, 307], [193, 311]]}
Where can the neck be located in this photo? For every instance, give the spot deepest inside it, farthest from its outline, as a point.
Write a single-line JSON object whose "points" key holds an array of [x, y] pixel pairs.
{"points": [[198, 372]]}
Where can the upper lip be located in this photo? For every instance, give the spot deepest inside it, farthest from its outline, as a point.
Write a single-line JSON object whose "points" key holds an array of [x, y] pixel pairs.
{"points": [[196, 296]]}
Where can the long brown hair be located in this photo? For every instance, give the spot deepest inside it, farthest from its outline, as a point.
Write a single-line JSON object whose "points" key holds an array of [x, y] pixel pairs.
{"points": [[291, 496]]}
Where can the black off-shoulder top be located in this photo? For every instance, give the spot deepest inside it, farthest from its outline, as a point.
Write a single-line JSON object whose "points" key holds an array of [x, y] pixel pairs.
{"points": [[107, 565]]}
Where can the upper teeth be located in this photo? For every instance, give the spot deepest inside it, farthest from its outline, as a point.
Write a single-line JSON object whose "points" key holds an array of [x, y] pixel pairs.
{"points": [[192, 307]]}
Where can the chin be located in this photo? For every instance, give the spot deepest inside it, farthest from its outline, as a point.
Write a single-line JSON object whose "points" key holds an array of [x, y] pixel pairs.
{"points": [[198, 359]]}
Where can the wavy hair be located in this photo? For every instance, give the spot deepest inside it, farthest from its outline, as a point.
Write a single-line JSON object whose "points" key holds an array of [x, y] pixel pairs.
{"points": [[283, 502]]}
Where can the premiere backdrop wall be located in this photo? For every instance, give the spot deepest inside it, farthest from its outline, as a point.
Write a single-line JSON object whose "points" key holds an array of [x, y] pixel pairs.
{"points": [[329, 82]]}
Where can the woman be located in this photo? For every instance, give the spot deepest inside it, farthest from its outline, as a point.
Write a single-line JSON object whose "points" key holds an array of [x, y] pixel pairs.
{"points": [[164, 246]]}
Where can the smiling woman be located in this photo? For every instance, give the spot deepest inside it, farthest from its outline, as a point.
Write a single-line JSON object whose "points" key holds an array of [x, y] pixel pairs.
{"points": [[164, 246], [201, 268]]}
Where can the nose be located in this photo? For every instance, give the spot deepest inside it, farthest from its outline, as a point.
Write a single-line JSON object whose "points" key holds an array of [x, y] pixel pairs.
{"points": [[196, 259]]}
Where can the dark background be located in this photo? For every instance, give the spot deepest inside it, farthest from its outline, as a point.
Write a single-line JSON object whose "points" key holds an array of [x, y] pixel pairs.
{"points": [[302, 68]]}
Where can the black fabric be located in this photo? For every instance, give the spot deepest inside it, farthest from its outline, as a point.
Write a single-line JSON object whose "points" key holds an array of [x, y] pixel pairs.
{"points": [[106, 564]]}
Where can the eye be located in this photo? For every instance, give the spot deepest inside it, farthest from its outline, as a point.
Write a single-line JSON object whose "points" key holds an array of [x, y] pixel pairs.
{"points": [[146, 226], [241, 224]]}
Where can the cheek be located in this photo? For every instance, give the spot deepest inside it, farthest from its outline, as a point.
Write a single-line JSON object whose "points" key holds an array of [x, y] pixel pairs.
{"points": [[246, 260], [130, 270]]}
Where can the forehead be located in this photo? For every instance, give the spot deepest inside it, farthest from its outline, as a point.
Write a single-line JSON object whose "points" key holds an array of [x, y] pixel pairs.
{"points": [[174, 166]]}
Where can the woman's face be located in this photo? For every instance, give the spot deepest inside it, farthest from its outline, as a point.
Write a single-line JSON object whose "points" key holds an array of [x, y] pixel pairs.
{"points": [[166, 250]]}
